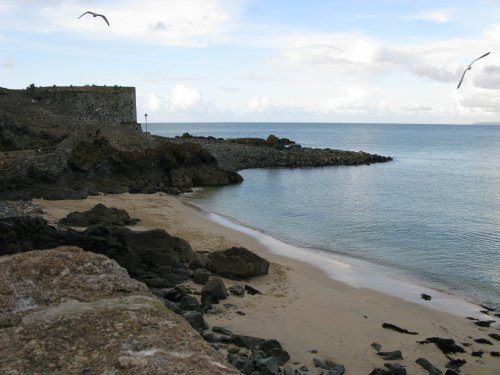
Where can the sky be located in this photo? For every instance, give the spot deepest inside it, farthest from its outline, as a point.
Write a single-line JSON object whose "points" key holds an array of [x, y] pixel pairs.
{"points": [[383, 61]]}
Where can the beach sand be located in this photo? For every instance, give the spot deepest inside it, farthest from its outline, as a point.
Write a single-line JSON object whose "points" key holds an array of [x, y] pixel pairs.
{"points": [[301, 307]]}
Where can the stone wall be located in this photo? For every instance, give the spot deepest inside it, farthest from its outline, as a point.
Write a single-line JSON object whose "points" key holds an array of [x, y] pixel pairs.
{"points": [[62, 110]]}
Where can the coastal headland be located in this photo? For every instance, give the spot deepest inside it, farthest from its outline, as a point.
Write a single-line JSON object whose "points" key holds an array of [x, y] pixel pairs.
{"points": [[161, 288]]}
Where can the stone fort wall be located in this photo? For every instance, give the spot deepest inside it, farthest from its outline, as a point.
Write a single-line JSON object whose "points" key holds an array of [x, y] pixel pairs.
{"points": [[77, 113]]}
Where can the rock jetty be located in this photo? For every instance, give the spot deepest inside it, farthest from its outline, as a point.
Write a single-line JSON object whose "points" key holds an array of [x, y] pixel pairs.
{"points": [[273, 152]]}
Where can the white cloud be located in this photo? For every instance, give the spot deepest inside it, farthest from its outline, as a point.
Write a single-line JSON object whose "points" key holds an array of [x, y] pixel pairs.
{"points": [[417, 108], [435, 15], [183, 97], [173, 22], [259, 104], [7, 64], [488, 78], [153, 102]]}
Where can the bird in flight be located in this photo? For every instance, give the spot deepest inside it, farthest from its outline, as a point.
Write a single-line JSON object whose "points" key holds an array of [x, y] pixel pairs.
{"points": [[469, 68], [95, 15]]}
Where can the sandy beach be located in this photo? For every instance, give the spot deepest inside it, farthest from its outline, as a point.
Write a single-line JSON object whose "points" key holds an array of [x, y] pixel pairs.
{"points": [[312, 315]]}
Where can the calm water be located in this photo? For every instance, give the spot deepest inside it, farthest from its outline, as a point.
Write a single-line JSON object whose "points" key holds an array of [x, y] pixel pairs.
{"points": [[432, 214]]}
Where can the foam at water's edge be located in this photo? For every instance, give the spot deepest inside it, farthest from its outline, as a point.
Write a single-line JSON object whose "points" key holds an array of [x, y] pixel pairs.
{"points": [[359, 274]]}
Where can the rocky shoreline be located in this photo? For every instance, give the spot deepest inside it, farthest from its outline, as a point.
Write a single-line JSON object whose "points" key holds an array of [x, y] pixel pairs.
{"points": [[273, 152]]}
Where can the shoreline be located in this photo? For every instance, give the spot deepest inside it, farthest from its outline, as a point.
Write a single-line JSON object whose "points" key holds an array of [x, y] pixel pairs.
{"points": [[302, 308]]}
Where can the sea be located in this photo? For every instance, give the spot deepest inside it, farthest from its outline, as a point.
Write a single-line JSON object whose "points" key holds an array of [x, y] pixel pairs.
{"points": [[430, 217]]}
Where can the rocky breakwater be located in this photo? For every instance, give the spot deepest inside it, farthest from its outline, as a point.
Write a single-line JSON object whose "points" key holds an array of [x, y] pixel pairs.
{"points": [[273, 152], [68, 311]]}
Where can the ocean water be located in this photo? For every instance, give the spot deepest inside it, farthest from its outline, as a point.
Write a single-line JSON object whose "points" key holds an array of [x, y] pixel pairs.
{"points": [[432, 215]]}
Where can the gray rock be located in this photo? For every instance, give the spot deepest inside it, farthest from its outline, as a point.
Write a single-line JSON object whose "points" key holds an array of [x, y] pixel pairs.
{"points": [[99, 215], [280, 354], [376, 346], [268, 366], [237, 290], [395, 368], [222, 330], [337, 370], [196, 320], [391, 356], [237, 263], [215, 287], [190, 303], [287, 370], [431, 369], [249, 342], [200, 276]]}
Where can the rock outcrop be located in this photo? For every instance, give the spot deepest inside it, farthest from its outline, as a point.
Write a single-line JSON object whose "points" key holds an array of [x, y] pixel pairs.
{"points": [[70, 311], [237, 263], [99, 215], [273, 152]]}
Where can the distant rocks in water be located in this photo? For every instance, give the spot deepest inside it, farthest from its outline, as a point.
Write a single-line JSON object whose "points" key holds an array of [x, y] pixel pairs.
{"points": [[425, 297], [237, 263], [398, 329], [274, 152], [99, 215], [60, 307]]}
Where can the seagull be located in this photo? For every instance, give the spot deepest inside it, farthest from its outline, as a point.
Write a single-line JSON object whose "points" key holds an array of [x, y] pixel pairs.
{"points": [[469, 68], [95, 15]]}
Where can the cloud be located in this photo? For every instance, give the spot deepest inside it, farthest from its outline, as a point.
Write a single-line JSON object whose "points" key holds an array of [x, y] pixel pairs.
{"points": [[436, 16], [173, 22], [417, 108], [153, 102], [259, 104], [7, 64], [488, 78], [183, 97]]}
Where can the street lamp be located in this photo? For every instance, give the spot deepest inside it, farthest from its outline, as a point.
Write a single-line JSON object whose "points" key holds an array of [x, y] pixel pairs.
{"points": [[146, 117]]}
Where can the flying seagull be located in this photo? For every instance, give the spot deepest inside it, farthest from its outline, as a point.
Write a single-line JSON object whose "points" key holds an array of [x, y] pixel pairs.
{"points": [[95, 15], [469, 68]]}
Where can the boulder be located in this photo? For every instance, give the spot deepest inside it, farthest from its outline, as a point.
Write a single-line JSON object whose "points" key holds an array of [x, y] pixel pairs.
{"points": [[237, 263], [237, 290], [99, 215], [196, 320], [431, 369], [215, 288], [69, 311], [200, 276]]}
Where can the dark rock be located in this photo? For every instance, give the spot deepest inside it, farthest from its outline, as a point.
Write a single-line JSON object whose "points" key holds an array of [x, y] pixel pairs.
{"points": [[280, 354], [240, 312], [287, 370], [488, 308], [455, 364], [321, 364], [495, 336], [216, 288], [196, 320], [268, 366], [237, 263], [239, 362], [304, 368], [153, 257], [451, 372], [337, 370], [251, 290], [267, 345], [495, 354], [210, 337], [431, 369], [477, 353], [190, 303], [233, 350], [391, 356], [483, 341], [426, 297], [484, 323], [222, 330], [200, 276], [249, 342], [376, 346], [237, 290], [380, 371], [447, 346], [395, 368], [99, 215], [398, 329]]}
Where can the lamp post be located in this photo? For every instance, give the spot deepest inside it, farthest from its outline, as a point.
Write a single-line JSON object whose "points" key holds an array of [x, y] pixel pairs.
{"points": [[146, 117]]}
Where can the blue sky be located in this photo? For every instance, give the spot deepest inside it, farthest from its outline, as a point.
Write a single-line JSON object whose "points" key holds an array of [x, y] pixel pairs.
{"points": [[265, 60]]}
